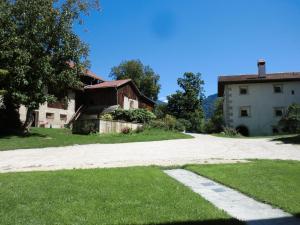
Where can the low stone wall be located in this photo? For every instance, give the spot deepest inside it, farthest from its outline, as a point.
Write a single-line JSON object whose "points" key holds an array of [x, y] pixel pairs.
{"points": [[102, 126]]}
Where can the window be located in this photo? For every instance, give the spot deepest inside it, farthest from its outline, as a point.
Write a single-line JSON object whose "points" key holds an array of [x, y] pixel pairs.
{"points": [[277, 88], [63, 117], [50, 116], [245, 111], [131, 104], [243, 90], [278, 111]]}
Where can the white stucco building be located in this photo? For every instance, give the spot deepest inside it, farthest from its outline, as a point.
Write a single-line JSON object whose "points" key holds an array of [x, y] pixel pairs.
{"points": [[255, 103]]}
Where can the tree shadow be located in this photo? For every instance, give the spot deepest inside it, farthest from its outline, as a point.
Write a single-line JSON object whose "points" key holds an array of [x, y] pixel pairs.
{"points": [[289, 140], [274, 221], [20, 135]]}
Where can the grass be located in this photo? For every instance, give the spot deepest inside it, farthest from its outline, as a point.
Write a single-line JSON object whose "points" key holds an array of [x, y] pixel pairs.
{"points": [[274, 182], [136, 195], [45, 137]]}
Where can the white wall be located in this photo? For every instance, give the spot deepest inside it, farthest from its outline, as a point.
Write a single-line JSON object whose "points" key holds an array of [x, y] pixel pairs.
{"points": [[262, 101], [56, 122], [127, 103]]}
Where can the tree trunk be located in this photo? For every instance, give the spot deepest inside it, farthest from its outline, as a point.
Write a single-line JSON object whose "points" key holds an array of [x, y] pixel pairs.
{"points": [[28, 121]]}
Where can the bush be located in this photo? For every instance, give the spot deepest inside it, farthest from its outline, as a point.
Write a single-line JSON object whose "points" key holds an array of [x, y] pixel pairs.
{"points": [[290, 122], [159, 124], [140, 129], [231, 132], [106, 116], [133, 115], [126, 130], [170, 123], [160, 110], [197, 121]]}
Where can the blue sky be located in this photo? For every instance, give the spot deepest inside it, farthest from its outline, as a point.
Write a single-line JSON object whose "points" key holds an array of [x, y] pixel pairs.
{"points": [[213, 37]]}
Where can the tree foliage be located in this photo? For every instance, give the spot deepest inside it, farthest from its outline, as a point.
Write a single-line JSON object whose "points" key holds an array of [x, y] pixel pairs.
{"points": [[143, 76], [290, 122], [187, 102], [216, 123], [36, 42]]}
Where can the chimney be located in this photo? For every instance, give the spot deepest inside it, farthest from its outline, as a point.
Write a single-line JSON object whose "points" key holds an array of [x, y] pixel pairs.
{"points": [[261, 64]]}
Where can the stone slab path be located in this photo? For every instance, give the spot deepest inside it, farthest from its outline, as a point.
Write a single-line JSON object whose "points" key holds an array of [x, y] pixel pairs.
{"points": [[233, 202]]}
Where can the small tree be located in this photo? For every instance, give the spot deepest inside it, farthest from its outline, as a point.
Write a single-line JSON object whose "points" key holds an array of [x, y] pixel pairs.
{"points": [[187, 102], [160, 110], [216, 123], [37, 41], [143, 76], [290, 122]]}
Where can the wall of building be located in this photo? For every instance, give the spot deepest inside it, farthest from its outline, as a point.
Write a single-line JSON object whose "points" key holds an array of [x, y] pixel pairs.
{"points": [[103, 97], [60, 116], [262, 100]]}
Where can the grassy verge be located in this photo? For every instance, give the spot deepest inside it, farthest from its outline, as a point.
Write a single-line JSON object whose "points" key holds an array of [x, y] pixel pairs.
{"points": [[137, 195], [43, 137], [274, 182]]}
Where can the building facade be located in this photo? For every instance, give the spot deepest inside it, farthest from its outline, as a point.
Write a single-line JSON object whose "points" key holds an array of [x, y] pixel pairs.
{"points": [[254, 104], [96, 96]]}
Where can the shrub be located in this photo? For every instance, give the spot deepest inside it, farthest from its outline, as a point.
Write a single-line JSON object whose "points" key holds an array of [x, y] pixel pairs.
{"points": [[197, 121], [231, 132], [126, 130], [140, 129], [160, 124], [290, 122], [134, 115], [170, 122], [160, 110], [106, 116]]}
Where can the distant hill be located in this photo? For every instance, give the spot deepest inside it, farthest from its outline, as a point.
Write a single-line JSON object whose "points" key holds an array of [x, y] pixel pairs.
{"points": [[209, 105], [159, 102]]}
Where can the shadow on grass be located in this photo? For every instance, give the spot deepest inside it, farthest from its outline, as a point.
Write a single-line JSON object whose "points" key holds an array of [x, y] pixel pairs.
{"points": [[289, 140], [274, 221], [33, 134]]}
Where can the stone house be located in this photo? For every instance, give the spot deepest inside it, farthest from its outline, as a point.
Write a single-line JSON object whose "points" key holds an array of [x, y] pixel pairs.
{"points": [[254, 103], [96, 96]]}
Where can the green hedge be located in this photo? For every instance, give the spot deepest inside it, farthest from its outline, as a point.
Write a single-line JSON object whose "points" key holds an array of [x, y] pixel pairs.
{"points": [[133, 115]]}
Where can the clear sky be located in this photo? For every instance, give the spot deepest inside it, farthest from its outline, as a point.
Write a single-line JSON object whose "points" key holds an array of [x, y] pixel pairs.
{"points": [[213, 37]]}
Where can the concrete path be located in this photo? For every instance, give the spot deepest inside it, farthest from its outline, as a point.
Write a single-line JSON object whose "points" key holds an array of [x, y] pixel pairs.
{"points": [[201, 149], [233, 202]]}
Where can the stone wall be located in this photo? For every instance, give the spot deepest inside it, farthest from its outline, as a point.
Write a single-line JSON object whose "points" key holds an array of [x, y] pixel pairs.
{"points": [[102, 126]]}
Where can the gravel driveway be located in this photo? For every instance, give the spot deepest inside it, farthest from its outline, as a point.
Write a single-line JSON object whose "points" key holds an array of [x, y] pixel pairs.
{"points": [[201, 149]]}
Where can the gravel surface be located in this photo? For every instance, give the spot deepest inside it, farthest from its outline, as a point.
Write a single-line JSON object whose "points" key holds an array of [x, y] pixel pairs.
{"points": [[201, 149]]}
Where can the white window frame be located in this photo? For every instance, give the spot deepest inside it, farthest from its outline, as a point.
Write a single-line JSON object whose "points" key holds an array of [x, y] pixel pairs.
{"points": [[244, 87], [248, 108], [278, 85]]}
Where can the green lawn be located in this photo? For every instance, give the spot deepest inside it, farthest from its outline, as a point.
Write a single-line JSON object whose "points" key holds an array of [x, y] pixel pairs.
{"points": [[43, 137], [136, 195], [274, 182]]}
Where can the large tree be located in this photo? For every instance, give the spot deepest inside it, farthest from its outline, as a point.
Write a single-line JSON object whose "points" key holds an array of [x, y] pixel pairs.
{"points": [[187, 102], [36, 42], [143, 76]]}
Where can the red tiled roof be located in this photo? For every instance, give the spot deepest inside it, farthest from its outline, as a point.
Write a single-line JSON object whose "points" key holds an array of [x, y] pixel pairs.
{"points": [[115, 84], [254, 78], [93, 75], [108, 84]]}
